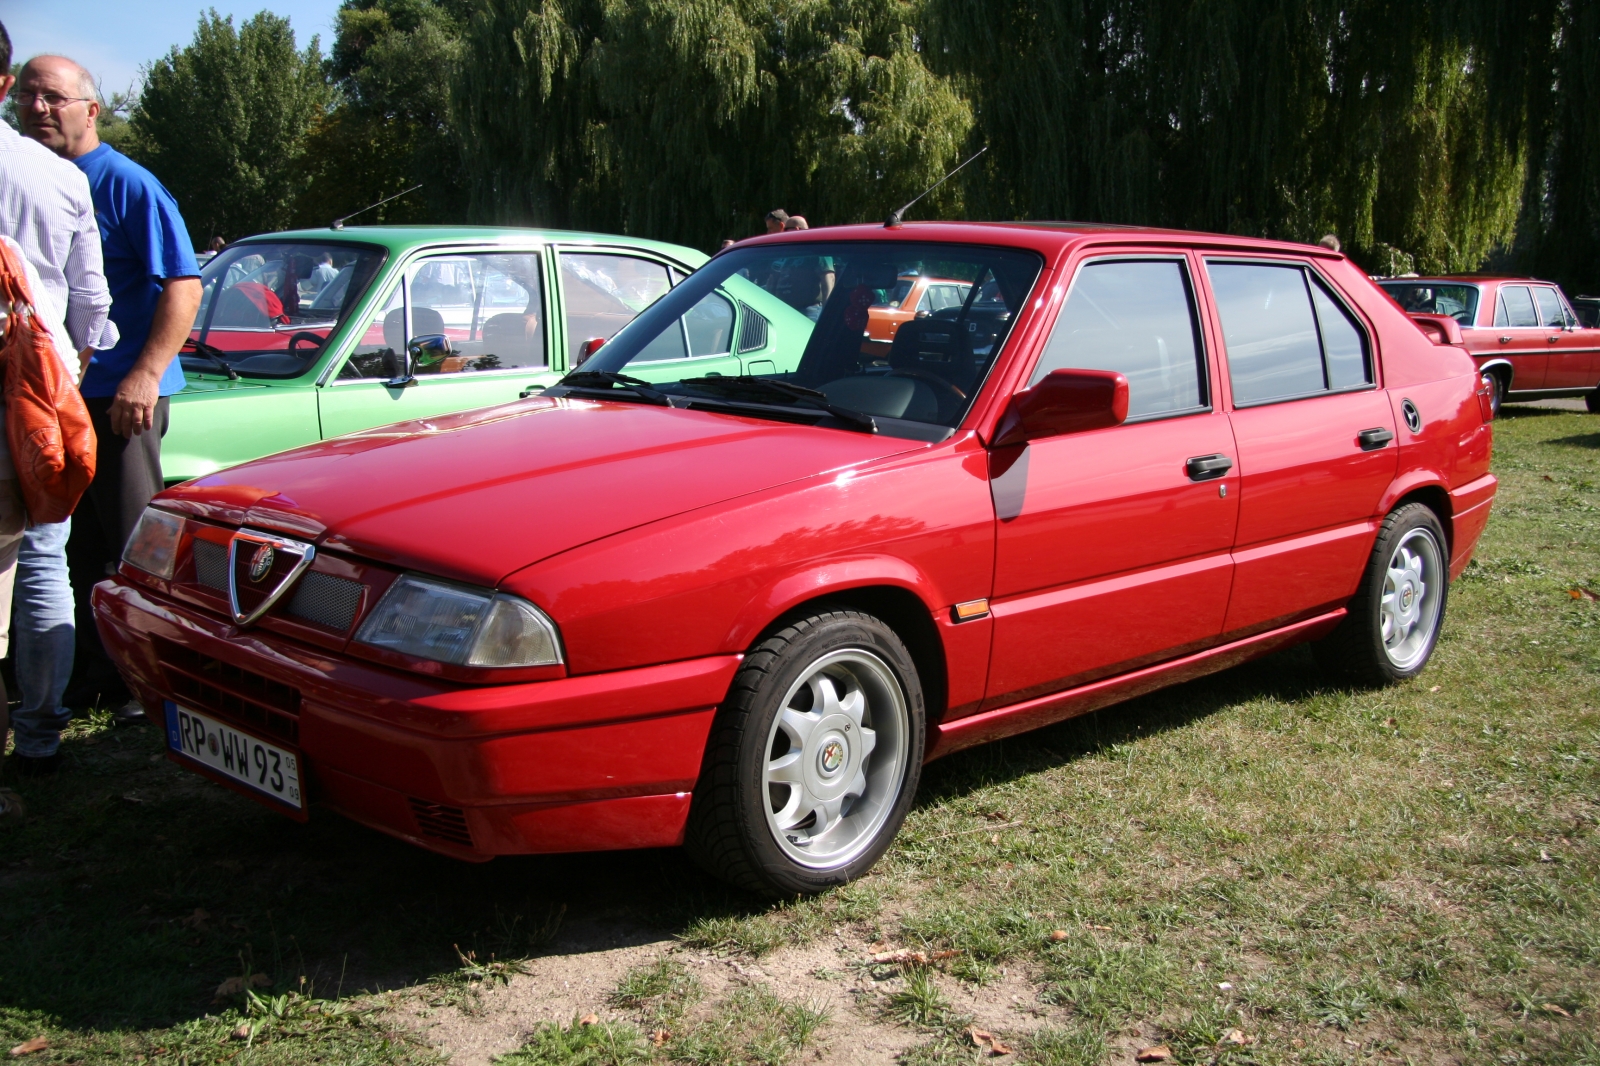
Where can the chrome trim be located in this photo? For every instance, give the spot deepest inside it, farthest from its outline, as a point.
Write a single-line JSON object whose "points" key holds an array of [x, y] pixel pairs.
{"points": [[283, 544]]}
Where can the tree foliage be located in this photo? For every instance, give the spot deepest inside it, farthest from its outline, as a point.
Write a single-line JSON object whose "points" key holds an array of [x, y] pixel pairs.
{"points": [[392, 66], [223, 123], [689, 119]]}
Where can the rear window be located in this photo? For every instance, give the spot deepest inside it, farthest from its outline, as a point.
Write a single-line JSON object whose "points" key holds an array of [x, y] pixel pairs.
{"points": [[1460, 302]]}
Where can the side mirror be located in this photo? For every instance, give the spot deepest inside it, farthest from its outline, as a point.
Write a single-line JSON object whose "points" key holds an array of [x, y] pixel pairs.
{"points": [[426, 350], [1065, 401], [588, 348]]}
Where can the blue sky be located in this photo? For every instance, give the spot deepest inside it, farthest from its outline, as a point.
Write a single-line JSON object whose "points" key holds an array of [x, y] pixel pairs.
{"points": [[115, 38]]}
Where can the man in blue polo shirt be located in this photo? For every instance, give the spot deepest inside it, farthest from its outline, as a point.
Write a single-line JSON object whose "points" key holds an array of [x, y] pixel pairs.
{"points": [[155, 291]]}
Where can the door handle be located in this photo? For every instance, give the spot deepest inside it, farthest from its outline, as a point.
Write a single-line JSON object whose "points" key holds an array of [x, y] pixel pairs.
{"points": [[1553, 337], [1207, 467], [1374, 438], [1506, 339]]}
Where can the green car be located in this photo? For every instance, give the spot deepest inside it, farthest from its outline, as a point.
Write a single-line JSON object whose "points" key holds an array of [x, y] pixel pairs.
{"points": [[310, 334]]}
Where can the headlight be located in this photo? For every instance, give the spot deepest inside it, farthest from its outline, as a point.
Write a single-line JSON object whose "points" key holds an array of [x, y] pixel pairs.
{"points": [[457, 624], [153, 546]]}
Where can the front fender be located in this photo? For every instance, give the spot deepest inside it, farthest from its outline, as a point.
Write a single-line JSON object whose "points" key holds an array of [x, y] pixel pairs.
{"points": [[815, 579]]}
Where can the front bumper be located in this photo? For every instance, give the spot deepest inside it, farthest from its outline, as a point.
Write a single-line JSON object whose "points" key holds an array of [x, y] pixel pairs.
{"points": [[591, 763]]}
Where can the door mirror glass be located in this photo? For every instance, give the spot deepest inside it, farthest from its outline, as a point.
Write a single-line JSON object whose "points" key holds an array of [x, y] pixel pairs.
{"points": [[1065, 401]]}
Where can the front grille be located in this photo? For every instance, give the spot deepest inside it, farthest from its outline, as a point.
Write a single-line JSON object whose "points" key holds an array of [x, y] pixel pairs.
{"points": [[441, 822], [211, 564], [325, 600], [248, 699], [753, 333]]}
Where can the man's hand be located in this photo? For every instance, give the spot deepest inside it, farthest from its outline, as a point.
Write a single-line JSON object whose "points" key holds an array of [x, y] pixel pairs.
{"points": [[133, 408]]}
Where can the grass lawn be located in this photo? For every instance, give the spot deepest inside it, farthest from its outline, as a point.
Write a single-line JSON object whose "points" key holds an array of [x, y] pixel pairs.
{"points": [[1256, 867]]}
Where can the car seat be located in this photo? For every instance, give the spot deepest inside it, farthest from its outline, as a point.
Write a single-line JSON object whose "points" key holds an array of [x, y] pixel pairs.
{"points": [[516, 339], [424, 321]]}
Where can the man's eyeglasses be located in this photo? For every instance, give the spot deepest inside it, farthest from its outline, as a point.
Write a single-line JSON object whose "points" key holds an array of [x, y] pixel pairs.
{"points": [[53, 101]]}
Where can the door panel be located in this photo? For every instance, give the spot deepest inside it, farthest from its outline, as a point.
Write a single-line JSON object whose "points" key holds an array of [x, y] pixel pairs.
{"points": [[1107, 554], [1571, 350], [1518, 337], [1308, 497]]}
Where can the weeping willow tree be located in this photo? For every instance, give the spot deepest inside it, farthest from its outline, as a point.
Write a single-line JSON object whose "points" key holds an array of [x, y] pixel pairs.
{"points": [[689, 119], [1405, 128]]}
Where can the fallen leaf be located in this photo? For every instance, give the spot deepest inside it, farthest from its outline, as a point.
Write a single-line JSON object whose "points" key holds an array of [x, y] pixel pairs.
{"points": [[660, 1036], [589, 1019], [901, 957], [1058, 935], [1297, 1043], [982, 1038], [233, 986], [1547, 477], [881, 945], [1391, 722], [1156, 1053], [1225, 986], [1102, 928], [1545, 856], [1581, 593], [28, 1047], [1434, 689], [1237, 1038], [241, 1033], [1555, 1008]]}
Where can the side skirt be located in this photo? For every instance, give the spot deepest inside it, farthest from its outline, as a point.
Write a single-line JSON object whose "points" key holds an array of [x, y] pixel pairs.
{"points": [[1058, 706]]}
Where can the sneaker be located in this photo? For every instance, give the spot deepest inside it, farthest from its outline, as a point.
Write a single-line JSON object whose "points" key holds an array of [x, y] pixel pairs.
{"points": [[130, 713]]}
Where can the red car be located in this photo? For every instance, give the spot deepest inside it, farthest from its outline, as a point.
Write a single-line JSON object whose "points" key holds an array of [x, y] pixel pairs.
{"points": [[1520, 331], [740, 613], [911, 297]]}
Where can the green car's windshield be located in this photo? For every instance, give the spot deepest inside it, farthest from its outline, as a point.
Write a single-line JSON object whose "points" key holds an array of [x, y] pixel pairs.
{"points": [[834, 366], [1458, 301], [268, 308]]}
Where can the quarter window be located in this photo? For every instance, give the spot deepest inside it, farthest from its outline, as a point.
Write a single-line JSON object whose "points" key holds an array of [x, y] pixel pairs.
{"points": [[1286, 335], [1135, 317], [1551, 312]]}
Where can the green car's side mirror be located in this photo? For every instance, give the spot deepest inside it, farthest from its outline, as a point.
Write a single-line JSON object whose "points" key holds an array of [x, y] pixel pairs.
{"points": [[430, 349]]}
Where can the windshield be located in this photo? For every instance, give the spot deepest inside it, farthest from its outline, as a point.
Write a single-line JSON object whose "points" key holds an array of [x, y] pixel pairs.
{"points": [[826, 354], [267, 309], [1460, 302]]}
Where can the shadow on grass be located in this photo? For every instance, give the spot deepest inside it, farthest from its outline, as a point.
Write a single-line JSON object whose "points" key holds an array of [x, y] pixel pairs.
{"points": [[135, 888], [1582, 440]]}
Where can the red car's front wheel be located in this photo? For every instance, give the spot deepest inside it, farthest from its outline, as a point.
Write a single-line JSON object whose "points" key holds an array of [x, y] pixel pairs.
{"points": [[814, 759]]}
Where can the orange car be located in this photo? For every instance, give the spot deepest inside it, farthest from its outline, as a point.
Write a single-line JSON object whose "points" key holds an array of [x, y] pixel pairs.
{"points": [[914, 296]]}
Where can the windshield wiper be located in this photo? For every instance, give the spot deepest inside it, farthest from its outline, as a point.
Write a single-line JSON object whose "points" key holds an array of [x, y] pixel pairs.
{"points": [[767, 390], [596, 379], [213, 355]]}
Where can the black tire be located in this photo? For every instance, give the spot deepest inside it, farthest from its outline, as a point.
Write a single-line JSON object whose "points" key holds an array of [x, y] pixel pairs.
{"points": [[733, 829], [1360, 651], [1592, 401]]}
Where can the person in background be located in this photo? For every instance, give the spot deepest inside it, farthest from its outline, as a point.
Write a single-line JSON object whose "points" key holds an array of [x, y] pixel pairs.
{"points": [[155, 290], [776, 219], [46, 208], [811, 277], [1330, 242], [324, 271]]}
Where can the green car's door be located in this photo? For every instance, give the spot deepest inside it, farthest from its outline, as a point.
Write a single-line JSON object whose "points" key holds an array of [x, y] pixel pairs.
{"points": [[492, 306]]}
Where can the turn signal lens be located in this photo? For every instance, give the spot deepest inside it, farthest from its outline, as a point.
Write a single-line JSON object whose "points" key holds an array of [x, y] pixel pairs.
{"points": [[1486, 387], [153, 546], [429, 619]]}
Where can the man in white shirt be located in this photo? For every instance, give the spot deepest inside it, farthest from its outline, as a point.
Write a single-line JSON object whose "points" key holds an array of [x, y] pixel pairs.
{"points": [[45, 207]]}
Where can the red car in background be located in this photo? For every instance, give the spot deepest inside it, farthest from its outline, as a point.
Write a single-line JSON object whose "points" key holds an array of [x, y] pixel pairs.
{"points": [[740, 613], [1521, 331]]}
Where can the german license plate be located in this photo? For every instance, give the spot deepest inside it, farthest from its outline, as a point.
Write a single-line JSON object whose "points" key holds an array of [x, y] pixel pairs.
{"points": [[266, 768]]}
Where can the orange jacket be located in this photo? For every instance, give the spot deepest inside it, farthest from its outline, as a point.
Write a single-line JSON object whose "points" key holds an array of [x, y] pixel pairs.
{"points": [[47, 425]]}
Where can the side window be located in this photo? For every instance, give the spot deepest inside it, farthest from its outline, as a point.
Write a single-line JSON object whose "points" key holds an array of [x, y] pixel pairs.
{"points": [[1551, 312], [710, 325], [382, 336], [1135, 317], [604, 292], [490, 306], [1286, 335], [1518, 306]]}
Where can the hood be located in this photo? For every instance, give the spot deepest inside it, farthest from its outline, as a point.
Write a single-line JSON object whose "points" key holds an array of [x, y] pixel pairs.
{"points": [[477, 495]]}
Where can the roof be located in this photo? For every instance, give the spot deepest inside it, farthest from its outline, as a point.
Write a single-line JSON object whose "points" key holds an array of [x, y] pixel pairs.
{"points": [[1463, 279], [1039, 235], [402, 239]]}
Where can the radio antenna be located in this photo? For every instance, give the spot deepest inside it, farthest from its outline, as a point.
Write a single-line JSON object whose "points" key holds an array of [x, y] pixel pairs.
{"points": [[338, 223], [897, 216]]}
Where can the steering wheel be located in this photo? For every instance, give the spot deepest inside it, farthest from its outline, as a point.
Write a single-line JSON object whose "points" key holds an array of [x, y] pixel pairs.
{"points": [[315, 339]]}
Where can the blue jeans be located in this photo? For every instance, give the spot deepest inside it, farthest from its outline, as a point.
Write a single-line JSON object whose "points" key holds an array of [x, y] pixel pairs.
{"points": [[42, 636]]}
